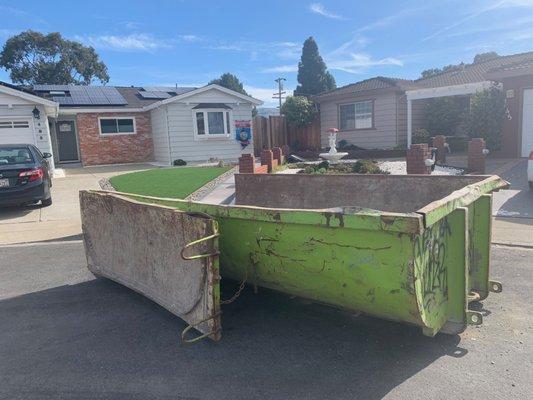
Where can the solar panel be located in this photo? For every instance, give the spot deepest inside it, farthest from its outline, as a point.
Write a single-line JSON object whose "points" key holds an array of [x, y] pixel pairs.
{"points": [[86, 95]]}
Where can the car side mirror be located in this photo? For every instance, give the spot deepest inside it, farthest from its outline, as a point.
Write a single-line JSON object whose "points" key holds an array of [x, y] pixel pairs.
{"points": [[47, 155]]}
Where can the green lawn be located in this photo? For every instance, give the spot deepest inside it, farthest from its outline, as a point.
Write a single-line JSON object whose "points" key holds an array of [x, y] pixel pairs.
{"points": [[169, 182]]}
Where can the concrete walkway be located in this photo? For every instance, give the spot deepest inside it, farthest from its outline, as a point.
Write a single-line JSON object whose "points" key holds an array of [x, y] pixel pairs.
{"points": [[62, 218], [223, 193]]}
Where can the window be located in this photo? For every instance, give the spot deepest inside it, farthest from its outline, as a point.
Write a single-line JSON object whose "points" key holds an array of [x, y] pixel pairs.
{"points": [[117, 126], [212, 123], [15, 155], [14, 124], [357, 115]]}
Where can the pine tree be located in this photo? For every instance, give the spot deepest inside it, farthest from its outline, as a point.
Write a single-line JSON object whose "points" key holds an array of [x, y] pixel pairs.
{"points": [[313, 77]]}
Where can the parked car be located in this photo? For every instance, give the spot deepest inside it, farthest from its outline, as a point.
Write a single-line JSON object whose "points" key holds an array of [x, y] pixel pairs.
{"points": [[530, 170], [24, 175]]}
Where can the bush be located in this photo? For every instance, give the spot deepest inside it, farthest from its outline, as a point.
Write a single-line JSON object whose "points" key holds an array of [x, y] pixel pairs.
{"points": [[298, 110], [487, 111], [179, 162], [447, 115], [367, 167], [420, 135]]}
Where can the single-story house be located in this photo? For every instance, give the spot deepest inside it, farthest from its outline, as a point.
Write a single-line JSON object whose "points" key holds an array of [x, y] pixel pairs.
{"points": [[384, 112], [98, 125]]}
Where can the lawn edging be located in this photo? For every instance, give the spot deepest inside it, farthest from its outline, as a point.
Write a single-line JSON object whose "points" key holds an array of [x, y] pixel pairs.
{"points": [[211, 185]]}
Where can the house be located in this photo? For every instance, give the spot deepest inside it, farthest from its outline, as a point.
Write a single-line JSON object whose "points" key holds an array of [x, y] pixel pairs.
{"points": [[384, 112], [98, 125]]}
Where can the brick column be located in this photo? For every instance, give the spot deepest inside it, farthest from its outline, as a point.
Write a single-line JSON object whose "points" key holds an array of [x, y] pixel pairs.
{"points": [[476, 156], [246, 164], [278, 155], [267, 158], [439, 142], [416, 159]]}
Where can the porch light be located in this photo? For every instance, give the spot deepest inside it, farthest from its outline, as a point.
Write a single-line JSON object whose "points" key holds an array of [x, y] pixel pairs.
{"points": [[36, 113]]}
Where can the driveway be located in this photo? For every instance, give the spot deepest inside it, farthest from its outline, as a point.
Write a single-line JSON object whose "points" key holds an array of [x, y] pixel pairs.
{"points": [[67, 335], [62, 218], [513, 209]]}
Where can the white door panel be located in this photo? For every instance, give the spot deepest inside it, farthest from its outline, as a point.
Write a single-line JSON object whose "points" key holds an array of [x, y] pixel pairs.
{"points": [[527, 123]]}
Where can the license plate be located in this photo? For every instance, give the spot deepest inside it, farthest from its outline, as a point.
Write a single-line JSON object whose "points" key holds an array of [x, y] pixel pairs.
{"points": [[4, 183]]}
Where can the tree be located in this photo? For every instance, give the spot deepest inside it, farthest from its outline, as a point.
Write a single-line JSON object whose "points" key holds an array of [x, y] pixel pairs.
{"points": [[34, 58], [229, 81], [487, 112], [478, 58], [446, 115], [482, 57], [313, 77], [298, 110]]}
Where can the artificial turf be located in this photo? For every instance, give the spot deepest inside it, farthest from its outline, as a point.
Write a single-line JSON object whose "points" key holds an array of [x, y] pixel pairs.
{"points": [[176, 182]]}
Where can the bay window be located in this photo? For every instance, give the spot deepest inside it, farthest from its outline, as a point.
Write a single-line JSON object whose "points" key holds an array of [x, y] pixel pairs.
{"points": [[212, 123]]}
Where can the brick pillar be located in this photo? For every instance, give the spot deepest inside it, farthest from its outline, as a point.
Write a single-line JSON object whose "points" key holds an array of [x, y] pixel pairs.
{"points": [[267, 158], [476, 156], [439, 142], [416, 159], [246, 164], [278, 155]]}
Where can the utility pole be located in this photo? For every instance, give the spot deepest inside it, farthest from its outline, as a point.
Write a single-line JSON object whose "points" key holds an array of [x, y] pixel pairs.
{"points": [[280, 93]]}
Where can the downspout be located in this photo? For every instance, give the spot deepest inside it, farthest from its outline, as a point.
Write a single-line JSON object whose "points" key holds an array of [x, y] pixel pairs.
{"points": [[168, 136]]}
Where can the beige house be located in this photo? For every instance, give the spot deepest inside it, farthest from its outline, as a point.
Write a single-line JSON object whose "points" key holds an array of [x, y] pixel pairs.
{"points": [[381, 113]]}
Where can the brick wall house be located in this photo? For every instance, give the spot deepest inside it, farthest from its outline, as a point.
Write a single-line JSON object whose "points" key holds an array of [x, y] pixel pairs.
{"points": [[97, 148]]}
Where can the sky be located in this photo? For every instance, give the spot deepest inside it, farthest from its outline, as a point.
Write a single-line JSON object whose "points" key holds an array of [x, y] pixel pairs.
{"points": [[163, 42]]}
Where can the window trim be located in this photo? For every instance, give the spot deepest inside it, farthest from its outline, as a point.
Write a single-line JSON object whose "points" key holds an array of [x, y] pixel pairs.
{"points": [[213, 136], [16, 119], [372, 127], [118, 133]]}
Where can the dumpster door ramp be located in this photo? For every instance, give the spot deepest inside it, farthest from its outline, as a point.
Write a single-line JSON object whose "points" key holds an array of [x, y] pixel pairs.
{"points": [[165, 254]]}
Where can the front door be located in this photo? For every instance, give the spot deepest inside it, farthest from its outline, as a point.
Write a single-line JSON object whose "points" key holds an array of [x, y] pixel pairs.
{"points": [[527, 123], [67, 142]]}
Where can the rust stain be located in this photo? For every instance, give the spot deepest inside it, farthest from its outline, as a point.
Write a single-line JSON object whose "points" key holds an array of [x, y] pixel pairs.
{"points": [[347, 245]]}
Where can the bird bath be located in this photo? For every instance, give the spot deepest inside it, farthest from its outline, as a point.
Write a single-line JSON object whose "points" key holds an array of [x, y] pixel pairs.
{"points": [[332, 155]]}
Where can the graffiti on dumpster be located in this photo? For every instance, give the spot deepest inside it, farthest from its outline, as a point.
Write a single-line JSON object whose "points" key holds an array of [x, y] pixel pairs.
{"points": [[430, 251]]}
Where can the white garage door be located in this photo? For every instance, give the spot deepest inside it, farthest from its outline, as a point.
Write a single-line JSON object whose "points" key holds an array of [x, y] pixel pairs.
{"points": [[17, 130], [527, 123]]}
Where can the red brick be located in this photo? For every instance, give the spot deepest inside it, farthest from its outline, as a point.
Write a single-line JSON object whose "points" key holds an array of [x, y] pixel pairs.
{"points": [[476, 158], [416, 159], [120, 149]]}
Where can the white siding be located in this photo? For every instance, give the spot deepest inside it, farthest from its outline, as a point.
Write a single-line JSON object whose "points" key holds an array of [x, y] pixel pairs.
{"points": [[160, 135], [383, 135], [24, 108], [180, 124]]}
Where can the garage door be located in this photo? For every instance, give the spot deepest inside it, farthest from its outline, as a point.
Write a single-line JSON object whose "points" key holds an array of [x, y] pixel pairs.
{"points": [[527, 123], [16, 131]]}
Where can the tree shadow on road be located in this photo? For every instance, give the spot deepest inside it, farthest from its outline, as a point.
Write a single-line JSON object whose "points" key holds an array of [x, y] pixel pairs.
{"points": [[99, 339]]}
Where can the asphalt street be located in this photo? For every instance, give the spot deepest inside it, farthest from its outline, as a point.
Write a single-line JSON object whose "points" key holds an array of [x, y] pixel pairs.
{"points": [[66, 335]]}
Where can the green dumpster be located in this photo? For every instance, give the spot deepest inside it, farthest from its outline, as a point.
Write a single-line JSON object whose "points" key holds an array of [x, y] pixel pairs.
{"points": [[413, 249]]}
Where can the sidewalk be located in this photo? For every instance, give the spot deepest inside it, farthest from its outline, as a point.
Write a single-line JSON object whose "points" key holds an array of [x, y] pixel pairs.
{"points": [[512, 231]]}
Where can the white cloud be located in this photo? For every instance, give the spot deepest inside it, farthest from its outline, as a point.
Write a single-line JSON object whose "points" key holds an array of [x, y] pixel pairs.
{"points": [[133, 42], [390, 19], [319, 9], [359, 62], [492, 7], [281, 68], [265, 94], [189, 38]]}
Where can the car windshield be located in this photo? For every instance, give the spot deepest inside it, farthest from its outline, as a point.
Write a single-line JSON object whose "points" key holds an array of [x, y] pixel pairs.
{"points": [[15, 155]]}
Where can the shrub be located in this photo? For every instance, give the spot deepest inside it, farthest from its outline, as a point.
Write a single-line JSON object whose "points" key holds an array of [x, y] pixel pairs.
{"points": [[420, 135], [179, 162], [487, 111], [298, 110], [447, 115], [367, 167]]}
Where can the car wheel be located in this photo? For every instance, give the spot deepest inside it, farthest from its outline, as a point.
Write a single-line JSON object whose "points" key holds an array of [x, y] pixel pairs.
{"points": [[46, 202]]}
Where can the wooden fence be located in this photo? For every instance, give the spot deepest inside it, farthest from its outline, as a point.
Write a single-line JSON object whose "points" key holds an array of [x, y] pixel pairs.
{"points": [[275, 131]]}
